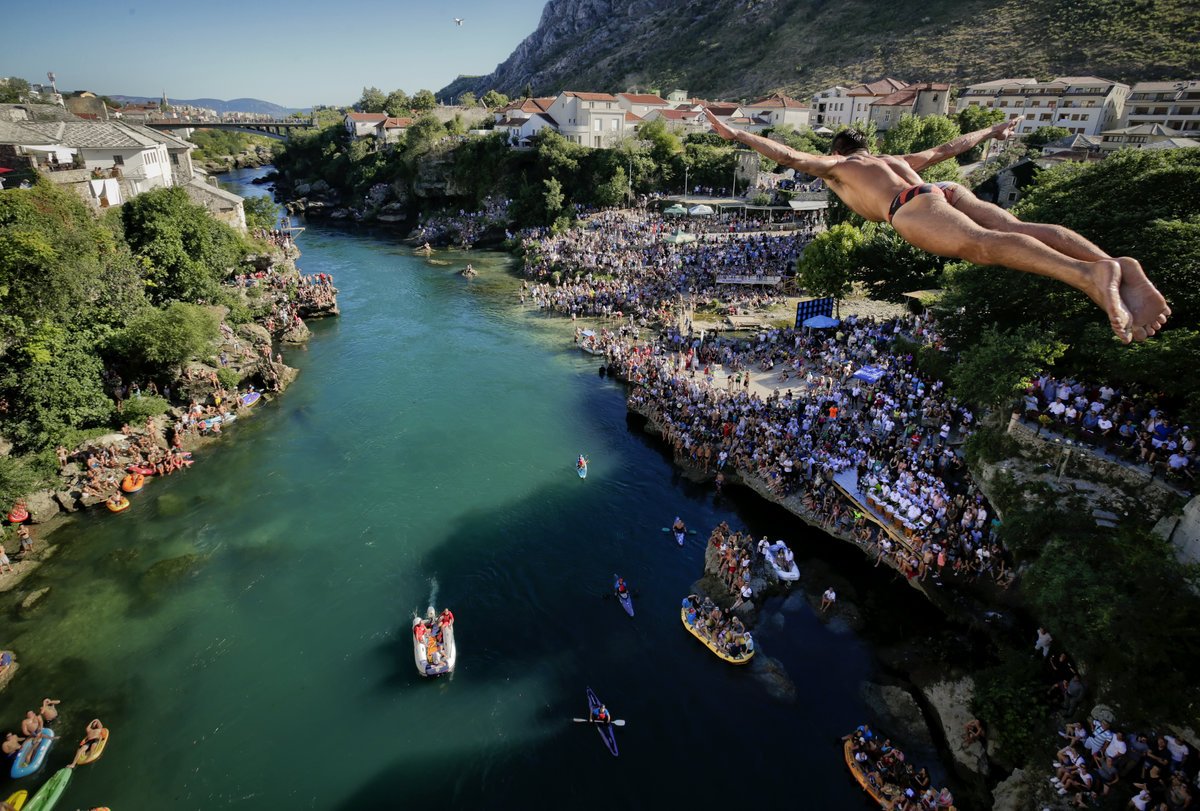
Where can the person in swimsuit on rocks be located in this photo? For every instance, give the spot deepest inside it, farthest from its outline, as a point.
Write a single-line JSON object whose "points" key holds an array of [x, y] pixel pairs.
{"points": [[948, 220]]}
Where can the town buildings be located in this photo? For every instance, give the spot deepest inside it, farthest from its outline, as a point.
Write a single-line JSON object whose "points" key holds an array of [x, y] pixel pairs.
{"points": [[1083, 105]]}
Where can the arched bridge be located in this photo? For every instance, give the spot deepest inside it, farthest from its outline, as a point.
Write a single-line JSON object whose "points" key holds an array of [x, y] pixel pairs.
{"points": [[272, 129]]}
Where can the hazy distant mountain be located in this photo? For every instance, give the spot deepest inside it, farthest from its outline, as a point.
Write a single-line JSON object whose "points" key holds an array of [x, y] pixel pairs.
{"points": [[231, 106]]}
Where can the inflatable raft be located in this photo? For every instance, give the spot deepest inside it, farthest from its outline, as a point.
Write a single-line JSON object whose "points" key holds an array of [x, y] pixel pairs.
{"points": [[720, 654], [96, 751], [32, 754], [884, 795], [120, 507], [133, 482], [423, 652], [780, 558]]}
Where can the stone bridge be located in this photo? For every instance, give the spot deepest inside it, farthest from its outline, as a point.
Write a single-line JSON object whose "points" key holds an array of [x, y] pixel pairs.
{"points": [[280, 130]]}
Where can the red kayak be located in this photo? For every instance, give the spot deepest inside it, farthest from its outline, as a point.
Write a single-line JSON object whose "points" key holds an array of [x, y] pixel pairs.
{"points": [[145, 470]]}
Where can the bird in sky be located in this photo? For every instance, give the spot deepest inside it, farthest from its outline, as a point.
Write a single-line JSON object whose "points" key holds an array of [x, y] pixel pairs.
{"points": [[458, 21]]}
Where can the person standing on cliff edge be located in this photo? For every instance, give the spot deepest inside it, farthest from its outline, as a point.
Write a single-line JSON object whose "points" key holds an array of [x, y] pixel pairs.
{"points": [[948, 220]]}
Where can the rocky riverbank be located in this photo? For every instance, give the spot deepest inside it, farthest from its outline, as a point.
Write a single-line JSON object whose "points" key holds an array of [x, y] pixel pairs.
{"points": [[252, 157]]}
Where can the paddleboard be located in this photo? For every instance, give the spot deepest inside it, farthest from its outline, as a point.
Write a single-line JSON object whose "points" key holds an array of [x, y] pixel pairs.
{"points": [[50, 793], [17, 801], [250, 398]]}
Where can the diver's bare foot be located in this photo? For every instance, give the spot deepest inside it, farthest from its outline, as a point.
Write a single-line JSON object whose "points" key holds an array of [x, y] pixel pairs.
{"points": [[1147, 307], [1104, 288]]}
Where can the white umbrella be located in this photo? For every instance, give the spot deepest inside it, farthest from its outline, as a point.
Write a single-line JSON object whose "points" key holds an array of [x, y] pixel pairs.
{"points": [[700, 210]]}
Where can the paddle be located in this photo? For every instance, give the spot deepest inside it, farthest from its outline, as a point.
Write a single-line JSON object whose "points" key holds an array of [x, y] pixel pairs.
{"points": [[689, 532], [616, 723]]}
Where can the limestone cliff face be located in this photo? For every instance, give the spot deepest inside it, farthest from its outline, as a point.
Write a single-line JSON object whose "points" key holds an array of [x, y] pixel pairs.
{"points": [[738, 49]]}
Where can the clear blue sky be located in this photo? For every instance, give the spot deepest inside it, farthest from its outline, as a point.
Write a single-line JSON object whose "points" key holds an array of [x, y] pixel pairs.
{"points": [[291, 52]]}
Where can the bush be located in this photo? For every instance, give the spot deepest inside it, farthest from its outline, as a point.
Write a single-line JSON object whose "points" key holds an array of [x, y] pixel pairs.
{"points": [[989, 445], [1011, 702], [137, 410], [158, 339], [18, 478], [228, 378]]}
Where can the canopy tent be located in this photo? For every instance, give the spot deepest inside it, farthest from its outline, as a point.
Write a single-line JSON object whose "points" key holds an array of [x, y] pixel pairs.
{"points": [[587, 333], [700, 210], [808, 205], [869, 374], [823, 131], [676, 210], [679, 238], [821, 322]]}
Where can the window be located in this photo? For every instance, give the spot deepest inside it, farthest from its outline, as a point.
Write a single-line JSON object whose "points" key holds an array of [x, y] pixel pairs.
{"points": [[597, 141], [118, 160], [1012, 195], [599, 125], [1044, 117], [175, 159], [615, 124]]}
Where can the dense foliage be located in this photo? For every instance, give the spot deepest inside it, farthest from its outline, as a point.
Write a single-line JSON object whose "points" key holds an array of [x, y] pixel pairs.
{"points": [[71, 284], [215, 144]]}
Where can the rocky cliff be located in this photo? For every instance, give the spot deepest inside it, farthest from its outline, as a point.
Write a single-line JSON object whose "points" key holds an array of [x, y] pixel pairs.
{"points": [[742, 48]]}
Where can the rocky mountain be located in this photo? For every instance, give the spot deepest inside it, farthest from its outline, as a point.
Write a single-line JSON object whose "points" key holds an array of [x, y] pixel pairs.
{"points": [[232, 106], [741, 48]]}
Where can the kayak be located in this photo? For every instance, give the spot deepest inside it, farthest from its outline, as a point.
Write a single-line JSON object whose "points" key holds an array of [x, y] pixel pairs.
{"points": [[733, 660], [250, 398], [119, 507], [96, 751], [49, 794], [32, 754], [606, 730], [679, 536], [421, 649], [581, 470], [626, 599], [788, 569], [17, 801], [145, 470]]}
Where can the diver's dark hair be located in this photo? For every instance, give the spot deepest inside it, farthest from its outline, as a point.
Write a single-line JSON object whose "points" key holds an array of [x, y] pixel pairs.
{"points": [[847, 142]]}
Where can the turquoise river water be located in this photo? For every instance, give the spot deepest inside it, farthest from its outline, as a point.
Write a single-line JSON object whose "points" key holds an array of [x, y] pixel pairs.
{"points": [[244, 628]]}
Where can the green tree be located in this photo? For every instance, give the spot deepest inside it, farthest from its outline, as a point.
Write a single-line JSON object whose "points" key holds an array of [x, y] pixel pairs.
{"points": [[1044, 135], [468, 99], [158, 340], [889, 266], [397, 104], [829, 263], [553, 199], [527, 93], [976, 117], [372, 100], [261, 212], [1002, 365], [493, 99], [186, 251], [613, 191], [916, 134], [423, 101], [13, 91]]}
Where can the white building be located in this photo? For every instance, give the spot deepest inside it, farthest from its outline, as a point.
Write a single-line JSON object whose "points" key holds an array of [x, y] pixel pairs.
{"points": [[390, 130], [682, 121], [590, 119], [921, 99], [520, 131], [1084, 105], [831, 108], [522, 109], [1175, 105], [778, 110]]}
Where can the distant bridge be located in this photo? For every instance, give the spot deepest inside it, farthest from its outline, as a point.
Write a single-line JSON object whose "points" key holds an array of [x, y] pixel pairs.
{"points": [[272, 129]]}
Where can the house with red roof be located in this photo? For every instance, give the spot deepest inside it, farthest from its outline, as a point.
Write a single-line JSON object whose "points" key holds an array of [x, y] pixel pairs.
{"points": [[360, 125], [389, 130], [682, 121], [862, 96], [921, 99], [777, 110], [641, 103]]}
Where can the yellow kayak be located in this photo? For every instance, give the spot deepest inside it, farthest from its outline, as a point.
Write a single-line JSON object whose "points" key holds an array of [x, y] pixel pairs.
{"points": [[739, 660], [17, 801]]}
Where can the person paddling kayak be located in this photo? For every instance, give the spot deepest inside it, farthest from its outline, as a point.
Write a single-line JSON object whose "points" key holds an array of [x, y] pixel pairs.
{"points": [[601, 715]]}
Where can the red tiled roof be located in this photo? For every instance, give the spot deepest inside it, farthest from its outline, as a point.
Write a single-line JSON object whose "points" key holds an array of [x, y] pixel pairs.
{"points": [[396, 123], [630, 117], [722, 109], [778, 100], [678, 115], [883, 87], [643, 98], [543, 103], [590, 96], [367, 118], [906, 96]]}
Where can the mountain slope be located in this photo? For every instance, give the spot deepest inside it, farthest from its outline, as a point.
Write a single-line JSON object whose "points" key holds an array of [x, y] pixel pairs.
{"points": [[742, 48]]}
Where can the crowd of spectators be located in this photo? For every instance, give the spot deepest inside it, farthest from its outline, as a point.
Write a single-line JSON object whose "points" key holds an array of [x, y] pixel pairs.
{"points": [[1133, 426], [463, 228]]}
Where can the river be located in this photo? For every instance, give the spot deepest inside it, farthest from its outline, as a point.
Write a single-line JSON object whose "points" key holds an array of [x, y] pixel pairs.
{"points": [[244, 628]]}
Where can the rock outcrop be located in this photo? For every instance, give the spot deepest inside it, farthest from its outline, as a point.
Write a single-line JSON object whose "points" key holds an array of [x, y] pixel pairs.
{"points": [[951, 703]]}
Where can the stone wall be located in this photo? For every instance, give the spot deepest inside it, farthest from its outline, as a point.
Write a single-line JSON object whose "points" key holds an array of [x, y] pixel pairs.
{"points": [[1077, 461], [1183, 531]]}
